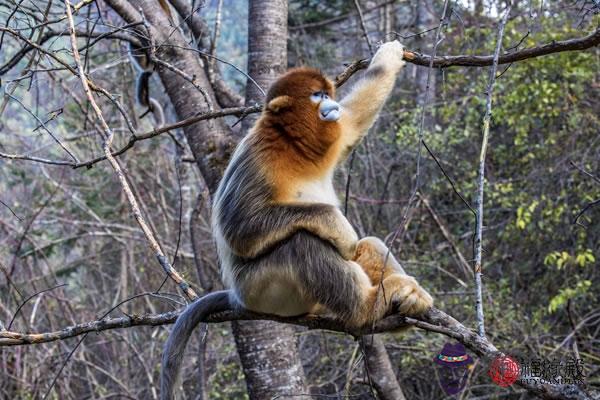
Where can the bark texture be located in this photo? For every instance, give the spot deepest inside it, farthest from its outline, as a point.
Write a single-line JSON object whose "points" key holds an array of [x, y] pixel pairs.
{"points": [[267, 48], [380, 369], [425, 20], [267, 349]]}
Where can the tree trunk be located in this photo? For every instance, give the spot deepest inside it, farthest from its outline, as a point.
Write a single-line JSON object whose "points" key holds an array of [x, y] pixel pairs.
{"points": [[380, 369], [267, 349], [211, 141], [267, 48], [425, 20]]}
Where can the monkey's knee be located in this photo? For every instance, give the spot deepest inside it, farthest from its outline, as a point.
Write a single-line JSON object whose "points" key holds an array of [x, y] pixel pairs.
{"points": [[371, 253]]}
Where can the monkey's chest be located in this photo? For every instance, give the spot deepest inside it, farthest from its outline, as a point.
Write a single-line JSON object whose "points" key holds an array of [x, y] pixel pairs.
{"points": [[317, 191]]}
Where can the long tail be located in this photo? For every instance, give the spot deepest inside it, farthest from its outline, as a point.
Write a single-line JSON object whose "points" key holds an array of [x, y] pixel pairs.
{"points": [[180, 335]]}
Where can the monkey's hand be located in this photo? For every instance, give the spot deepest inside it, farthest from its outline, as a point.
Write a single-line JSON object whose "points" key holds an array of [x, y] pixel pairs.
{"points": [[389, 55]]}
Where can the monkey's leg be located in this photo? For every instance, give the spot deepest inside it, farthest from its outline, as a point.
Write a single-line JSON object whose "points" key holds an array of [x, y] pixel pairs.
{"points": [[371, 253], [306, 274], [393, 285]]}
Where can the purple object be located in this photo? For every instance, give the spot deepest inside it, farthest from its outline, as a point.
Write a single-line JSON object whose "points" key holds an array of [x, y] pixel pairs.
{"points": [[453, 367]]}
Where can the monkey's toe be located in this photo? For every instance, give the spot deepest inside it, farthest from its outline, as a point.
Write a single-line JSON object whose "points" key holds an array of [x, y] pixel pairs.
{"points": [[410, 298]]}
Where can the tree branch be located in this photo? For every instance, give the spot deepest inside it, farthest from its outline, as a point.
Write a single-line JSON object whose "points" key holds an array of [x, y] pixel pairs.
{"points": [[109, 136], [237, 111], [478, 248], [434, 321], [582, 43]]}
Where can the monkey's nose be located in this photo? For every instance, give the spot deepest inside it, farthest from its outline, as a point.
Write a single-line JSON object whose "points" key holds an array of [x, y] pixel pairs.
{"points": [[329, 110]]}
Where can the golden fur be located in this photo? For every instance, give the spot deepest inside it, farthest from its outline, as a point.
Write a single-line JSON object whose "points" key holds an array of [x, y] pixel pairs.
{"points": [[296, 153]]}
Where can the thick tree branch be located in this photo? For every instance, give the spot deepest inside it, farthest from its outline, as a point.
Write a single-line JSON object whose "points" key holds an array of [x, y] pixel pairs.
{"points": [[434, 320]]}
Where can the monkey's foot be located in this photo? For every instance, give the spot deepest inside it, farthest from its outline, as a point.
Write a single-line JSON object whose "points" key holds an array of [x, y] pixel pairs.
{"points": [[408, 297]]}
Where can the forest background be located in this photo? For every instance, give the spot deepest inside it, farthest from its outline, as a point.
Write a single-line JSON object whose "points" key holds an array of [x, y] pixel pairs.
{"points": [[74, 247]]}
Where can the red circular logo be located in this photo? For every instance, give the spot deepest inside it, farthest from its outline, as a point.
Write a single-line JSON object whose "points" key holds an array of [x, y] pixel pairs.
{"points": [[504, 371]]}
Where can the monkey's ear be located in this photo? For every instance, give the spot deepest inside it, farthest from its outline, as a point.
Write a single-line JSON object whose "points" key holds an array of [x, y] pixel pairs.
{"points": [[279, 103]]}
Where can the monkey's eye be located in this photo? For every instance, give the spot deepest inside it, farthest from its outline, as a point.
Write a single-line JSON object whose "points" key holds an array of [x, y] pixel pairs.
{"points": [[316, 97]]}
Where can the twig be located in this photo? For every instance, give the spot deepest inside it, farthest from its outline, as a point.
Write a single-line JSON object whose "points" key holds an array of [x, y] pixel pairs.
{"points": [[27, 300], [450, 180], [421, 133], [143, 136], [329, 21], [448, 236], [217, 32], [348, 179], [109, 135], [43, 125], [583, 210], [166, 128], [172, 68], [361, 19], [11, 210], [25, 157], [481, 178], [14, 60], [221, 60], [583, 171]]}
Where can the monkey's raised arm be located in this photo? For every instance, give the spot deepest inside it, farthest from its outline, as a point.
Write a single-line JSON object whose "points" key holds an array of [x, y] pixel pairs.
{"points": [[362, 105], [250, 235]]}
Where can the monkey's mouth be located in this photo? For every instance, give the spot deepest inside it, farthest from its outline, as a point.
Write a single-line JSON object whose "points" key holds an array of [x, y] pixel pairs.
{"points": [[330, 115]]}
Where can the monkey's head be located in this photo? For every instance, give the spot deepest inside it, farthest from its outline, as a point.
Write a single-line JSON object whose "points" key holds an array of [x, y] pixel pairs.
{"points": [[303, 89], [300, 120], [303, 100]]}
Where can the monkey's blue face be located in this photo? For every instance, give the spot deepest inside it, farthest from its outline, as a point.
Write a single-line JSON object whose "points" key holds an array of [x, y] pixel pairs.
{"points": [[329, 109]]}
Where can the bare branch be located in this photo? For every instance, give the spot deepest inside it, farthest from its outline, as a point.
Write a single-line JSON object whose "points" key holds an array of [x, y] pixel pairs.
{"points": [[237, 111], [109, 135], [363, 26], [434, 320], [582, 43], [329, 21], [478, 248], [11, 210], [448, 236]]}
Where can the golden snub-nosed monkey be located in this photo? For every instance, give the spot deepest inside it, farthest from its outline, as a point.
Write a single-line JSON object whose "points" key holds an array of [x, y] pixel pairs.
{"points": [[284, 245]]}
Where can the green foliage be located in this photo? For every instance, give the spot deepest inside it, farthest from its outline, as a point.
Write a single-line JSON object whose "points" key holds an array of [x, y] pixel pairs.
{"points": [[566, 294], [562, 259]]}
